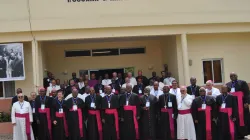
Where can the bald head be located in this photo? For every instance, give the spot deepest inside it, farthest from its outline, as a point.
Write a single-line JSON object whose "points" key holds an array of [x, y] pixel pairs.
{"points": [[33, 95], [233, 76], [128, 88], [224, 89], [74, 92], [166, 89], [92, 90], [202, 91], [156, 85], [193, 81], [183, 90], [209, 84], [108, 90]]}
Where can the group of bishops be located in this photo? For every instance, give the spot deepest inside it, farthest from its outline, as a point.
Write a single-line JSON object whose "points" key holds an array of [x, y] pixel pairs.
{"points": [[147, 115]]}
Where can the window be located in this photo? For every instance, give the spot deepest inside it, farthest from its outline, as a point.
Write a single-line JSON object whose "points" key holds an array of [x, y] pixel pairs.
{"points": [[105, 52], [212, 70], [77, 53], [132, 51], [7, 89]]}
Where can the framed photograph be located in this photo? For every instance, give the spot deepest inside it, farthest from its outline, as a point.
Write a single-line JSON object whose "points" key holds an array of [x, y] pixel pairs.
{"points": [[12, 62]]}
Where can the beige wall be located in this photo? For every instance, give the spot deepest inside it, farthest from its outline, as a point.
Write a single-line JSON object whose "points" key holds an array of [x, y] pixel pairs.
{"points": [[27, 84], [170, 54], [57, 63], [233, 48], [60, 14]]}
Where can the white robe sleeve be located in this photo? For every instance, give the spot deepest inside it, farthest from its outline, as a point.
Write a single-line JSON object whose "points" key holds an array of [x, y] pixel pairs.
{"points": [[30, 113], [13, 117], [188, 101]]}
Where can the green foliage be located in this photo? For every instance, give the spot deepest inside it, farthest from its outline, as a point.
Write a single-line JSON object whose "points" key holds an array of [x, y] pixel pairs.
{"points": [[5, 117]]}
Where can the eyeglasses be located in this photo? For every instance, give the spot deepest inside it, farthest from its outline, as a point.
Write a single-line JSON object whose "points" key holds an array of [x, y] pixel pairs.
{"points": [[20, 97]]}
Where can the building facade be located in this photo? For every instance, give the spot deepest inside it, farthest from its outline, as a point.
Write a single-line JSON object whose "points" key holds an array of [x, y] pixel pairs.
{"points": [[205, 39]]}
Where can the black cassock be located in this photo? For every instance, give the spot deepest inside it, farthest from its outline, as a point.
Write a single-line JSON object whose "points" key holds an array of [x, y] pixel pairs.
{"points": [[75, 119], [241, 85], [225, 130], [147, 121], [139, 89], [34, 124], [59, 131], [128, 126], [193, 90], [168, 116], [115, 86], [110, 131], [44, 116], [203, 117], [93, 112]]}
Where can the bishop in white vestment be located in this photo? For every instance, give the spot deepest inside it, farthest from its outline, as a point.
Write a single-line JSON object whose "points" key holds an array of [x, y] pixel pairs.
{"points": [[185, 124], [21, 116]]}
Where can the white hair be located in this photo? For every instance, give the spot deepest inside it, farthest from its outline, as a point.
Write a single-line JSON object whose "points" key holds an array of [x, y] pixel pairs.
{"points": [[209, 82]]}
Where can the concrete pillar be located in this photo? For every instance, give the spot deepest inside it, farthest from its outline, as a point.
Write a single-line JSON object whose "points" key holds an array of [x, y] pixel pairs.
{"points": [[185, 58], [34, 46]]}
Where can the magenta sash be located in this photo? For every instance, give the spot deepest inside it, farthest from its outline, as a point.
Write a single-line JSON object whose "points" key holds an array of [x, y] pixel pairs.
{"points": [[79, 111], [231, 123], [171, 120], [183, 112], [99, 122], [239, 95], [208, 122], [62, 115], [133, 108], [47, 112], [115, 113], [27, 123]]}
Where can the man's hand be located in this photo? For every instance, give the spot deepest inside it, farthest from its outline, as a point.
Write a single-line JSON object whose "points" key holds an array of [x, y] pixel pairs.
{"points": [[122, 119], [14, 124], [37, 121], [103, 121], [196, 121], [246, 105], [138, 118], [55, 122]]}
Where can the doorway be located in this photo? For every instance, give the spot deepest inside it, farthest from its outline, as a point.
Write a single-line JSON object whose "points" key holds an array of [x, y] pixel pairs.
{"points": [[102, 72]]}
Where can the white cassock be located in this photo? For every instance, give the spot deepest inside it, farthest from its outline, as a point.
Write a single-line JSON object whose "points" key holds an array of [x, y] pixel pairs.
{"points": [[50, 88], [106, 82], [133, 81], [176, 92], [78, 96], [156, 93], [161, 85], [124, 85], [215, 92], [168, 81], [81, 85], [102, 94], [185, 124], [19, 130]]}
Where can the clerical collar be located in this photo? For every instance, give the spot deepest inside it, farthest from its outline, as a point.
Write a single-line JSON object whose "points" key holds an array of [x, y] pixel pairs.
{"points": [[128, 93], [109, 94], [193, 86]]}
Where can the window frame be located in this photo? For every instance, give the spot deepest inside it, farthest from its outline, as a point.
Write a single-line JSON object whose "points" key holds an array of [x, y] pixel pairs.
{"points": [[4, 96], [222, 69]]}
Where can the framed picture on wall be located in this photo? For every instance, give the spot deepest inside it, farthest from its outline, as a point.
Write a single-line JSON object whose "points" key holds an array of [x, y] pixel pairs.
{"points": [[129, 69], [82, 73], [12, 62]]}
